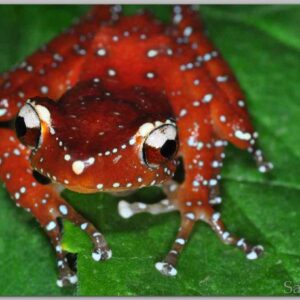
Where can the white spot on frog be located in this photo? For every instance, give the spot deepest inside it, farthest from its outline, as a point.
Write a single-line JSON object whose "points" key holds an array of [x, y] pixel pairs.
{"points": [[246, 136], [51, 225], [145, 129], [78, 167], [3, 111]]}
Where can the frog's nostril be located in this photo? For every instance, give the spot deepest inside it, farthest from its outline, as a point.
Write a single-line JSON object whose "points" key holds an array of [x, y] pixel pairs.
{"points": [[169, 149]]}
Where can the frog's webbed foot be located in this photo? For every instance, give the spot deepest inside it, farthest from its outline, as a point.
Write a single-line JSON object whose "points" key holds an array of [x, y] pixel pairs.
{"points": [[214, 195], [67, 273], [101, 250], [208, 215], [191, 212], [127, 210], [214, 220], [66, 277], [262, 164], [61, 210], [168, 265]]}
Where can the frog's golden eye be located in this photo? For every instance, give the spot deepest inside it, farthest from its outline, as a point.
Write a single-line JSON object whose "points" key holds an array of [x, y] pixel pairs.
{"points": [[160, 146], [28, 126]]}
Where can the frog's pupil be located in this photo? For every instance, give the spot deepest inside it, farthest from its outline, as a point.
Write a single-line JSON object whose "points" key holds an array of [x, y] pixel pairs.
{"points": [[20, 127], [168, 149]]}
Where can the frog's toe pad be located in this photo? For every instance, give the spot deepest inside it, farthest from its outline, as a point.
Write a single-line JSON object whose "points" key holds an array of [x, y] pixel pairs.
{"points": [[67, 280], [101, 254], [125, 210], [166, 269], [265, 167], [255, 252]]}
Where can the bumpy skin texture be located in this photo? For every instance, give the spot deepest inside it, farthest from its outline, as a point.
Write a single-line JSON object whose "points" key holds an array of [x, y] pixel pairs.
{"points": [[111, 104]]}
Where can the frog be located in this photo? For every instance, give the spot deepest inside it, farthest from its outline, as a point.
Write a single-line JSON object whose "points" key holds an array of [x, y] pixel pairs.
{"points": [[117, 103]]}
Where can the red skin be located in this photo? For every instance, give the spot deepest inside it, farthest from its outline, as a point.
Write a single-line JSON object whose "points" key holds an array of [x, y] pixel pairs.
{"points": [[152, 73]]}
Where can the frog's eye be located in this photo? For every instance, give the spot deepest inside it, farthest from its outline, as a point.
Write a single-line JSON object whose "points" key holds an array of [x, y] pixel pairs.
{"points": [[28, 126], [161, 145]]}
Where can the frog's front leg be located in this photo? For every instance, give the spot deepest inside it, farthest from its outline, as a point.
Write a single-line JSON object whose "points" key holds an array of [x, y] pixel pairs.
{"points": [[31, 191], [194, 198]]}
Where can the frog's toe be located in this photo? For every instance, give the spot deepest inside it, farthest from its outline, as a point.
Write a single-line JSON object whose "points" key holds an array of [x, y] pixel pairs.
{"points": [[263, 165], [102, 253], [127, 210], [124, 209], [66, 278], [255, 252], [214, 220], [101, 249], [215, 200], [166, 268], [214, 195]]}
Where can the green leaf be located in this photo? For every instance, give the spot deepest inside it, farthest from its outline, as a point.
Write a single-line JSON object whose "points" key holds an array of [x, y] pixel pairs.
{"points": [[262, 45]]}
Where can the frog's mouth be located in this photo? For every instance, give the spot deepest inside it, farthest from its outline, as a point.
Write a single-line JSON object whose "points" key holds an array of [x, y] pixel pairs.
{"points": [[120, 192]]}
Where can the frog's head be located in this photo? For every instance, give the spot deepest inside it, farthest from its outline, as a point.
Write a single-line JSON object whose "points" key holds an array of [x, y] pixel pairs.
{"points": [[101, 137]]}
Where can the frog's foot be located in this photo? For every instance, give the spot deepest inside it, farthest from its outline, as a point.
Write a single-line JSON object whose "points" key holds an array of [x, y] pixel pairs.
{"points": [[66, 268], [167, 266], [203, 213], [54, 228], [207, 214], [214, 220], [214, 195], [101, 250], [262, 165], [67, 276], [127, 210], [70, 278]]}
